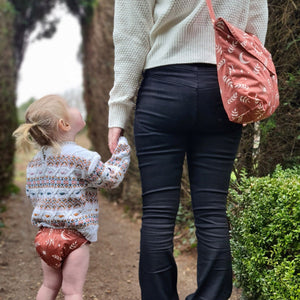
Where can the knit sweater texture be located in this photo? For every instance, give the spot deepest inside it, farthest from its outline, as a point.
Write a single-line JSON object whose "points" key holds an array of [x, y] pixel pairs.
{"points": [[149, 33], [63, 188]]}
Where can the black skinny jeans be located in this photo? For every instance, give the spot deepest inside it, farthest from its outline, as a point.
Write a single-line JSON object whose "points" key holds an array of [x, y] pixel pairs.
{"points": [[179, 112]]}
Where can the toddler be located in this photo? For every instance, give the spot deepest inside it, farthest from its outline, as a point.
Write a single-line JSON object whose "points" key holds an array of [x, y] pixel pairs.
{"points": [[62, 182]]}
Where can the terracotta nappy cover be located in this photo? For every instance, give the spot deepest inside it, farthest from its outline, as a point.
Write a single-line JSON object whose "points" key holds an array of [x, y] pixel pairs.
{"points": [[54, 245]]}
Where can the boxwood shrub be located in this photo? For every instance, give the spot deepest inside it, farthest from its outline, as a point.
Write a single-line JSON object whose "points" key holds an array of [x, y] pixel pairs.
{"points": [[265, 228]]}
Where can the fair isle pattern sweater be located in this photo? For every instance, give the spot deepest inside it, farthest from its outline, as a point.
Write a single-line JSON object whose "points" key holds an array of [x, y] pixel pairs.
{"points": [[63, 188], [151, 33]]}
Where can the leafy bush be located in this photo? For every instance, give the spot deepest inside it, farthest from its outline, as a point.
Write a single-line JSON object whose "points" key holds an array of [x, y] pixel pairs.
{"points": [[185, 231], [265, 218]]}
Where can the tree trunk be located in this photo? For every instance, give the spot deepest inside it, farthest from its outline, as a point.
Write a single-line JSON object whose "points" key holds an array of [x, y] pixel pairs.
{"points": [[8, 117], [98, 61]]}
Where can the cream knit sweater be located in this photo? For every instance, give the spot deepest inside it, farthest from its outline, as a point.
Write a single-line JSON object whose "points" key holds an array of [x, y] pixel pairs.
{"points": [[151, 33]]}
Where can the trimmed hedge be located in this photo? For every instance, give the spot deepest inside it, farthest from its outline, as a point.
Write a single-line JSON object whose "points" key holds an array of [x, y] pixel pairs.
{"points": [[8, 116], [265, 217]]}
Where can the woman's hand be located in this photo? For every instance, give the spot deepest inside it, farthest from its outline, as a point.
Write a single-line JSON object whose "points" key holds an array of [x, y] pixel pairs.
{"points": [[114, 134]]}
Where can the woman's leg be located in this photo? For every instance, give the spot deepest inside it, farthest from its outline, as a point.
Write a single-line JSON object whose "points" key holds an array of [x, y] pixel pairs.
{"points": [[162, 115], [52, 279], [160, 174], [211, 152], [74, 272], [210, 162]]}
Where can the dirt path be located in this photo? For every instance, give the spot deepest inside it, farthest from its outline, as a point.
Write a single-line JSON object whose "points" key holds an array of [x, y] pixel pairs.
{"points": [[113, 272]]}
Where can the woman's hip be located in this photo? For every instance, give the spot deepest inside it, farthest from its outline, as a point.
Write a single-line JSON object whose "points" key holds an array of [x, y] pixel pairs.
{"points": [[181, 99]]}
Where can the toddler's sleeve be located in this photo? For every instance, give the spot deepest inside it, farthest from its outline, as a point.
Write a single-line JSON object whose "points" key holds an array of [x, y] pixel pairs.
{"points": [[111, 173]]}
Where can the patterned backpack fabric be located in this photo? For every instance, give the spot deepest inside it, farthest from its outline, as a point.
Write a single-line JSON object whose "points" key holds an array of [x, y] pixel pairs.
{"points": [[246, 73]]}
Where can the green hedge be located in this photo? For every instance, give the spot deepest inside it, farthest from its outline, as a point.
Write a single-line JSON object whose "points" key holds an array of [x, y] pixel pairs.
{"points": [[8, 116], [265, 218]]}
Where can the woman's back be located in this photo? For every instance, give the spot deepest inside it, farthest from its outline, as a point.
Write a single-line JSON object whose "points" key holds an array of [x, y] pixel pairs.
{"points": [[151, 33], [182, 31]]}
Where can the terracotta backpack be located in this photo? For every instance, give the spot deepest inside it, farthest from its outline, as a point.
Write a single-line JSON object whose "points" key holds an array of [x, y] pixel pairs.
{"points": [[246, 73]]}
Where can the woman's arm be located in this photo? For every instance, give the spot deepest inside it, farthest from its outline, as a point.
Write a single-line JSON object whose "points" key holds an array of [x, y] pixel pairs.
{"points": [[258, 19], [110, 174], [133, 21]]}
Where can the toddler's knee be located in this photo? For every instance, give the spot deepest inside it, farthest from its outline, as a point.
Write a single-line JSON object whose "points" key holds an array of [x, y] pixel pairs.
{"points": [[53, 282], [70, 290], [54, 287]]}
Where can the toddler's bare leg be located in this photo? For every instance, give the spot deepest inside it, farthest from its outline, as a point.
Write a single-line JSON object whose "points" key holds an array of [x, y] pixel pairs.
{"points": [[51, 283], [74, 272]]}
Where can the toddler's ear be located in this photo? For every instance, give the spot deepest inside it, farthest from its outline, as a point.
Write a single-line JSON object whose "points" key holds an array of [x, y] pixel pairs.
{"points": [[63, 125]]}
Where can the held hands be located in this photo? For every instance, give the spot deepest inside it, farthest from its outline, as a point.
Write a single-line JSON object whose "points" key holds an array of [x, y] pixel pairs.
{"points": [[114, 134]]}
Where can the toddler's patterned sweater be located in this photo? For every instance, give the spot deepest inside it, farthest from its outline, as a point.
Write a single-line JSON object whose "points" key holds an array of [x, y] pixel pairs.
{"points": [[63, 188]]}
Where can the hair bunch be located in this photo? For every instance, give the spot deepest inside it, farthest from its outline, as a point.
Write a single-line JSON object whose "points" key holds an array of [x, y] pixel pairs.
{"points": [[41, 127]]}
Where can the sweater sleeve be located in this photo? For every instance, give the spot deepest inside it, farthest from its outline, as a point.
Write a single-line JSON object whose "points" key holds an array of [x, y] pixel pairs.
{"points": [[110, 174], [258, 19], [133, 21]]}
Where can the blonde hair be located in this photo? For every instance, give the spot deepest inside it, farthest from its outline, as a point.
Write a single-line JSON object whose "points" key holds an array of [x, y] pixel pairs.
{"points": [[41, 127]]}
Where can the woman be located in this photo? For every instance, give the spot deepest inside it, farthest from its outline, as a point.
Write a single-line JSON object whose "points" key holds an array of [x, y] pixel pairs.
{"points": [[170, 45]]}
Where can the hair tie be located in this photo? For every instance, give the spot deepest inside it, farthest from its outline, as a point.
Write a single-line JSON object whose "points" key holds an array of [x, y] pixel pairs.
{"points": [[31, 123]]}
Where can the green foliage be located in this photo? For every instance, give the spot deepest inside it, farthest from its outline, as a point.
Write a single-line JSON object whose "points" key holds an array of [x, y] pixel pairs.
{"points": [[83, 9], [185, 225], [265, 219], [22, 109], [27, 15], [6, 8], [279, 136], [12, 189], [8, 119], [293, 79], [267, 126], [6, 24], [2, 210]]}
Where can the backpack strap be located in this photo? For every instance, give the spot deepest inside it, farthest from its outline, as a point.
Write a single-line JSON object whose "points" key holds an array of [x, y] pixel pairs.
{"points": [[211, 11]]}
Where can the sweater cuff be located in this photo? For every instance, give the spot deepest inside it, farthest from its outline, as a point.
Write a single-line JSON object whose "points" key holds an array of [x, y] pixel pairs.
{"points": [[118, 115]]}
